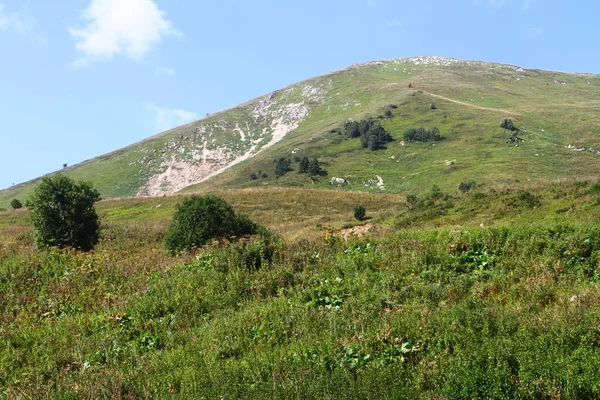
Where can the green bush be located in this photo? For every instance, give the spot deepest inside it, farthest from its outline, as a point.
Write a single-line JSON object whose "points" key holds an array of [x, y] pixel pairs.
{"points": [[63, 213], [359, 212], [199, 219], [15, 204]]}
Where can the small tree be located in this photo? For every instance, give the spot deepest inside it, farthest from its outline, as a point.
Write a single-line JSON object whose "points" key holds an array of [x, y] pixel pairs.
{"points": [[199, 219], [15, 204], [508, 125], [63, 213], [304, 164], [283, 166], [373, 142], [466, 186], [314, 167], [359, 212]]}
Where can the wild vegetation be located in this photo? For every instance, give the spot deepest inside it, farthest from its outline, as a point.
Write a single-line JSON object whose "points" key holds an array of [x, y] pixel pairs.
{"points": [[454, 289], [428, 304]]}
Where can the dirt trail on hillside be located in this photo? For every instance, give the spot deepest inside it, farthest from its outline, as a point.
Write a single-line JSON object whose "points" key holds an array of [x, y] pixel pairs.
{"points": [[472, 105]]}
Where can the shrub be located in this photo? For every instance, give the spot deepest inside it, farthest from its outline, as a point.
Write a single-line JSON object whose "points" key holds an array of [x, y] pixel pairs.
{"points": [[304, 163], [253, 177], [359, 212], [387, 113], [422, 135], [314, 167], [63, 213], [15, 204], [283, 166], [432, 106], [199, 219], [507, 124], [466, 186]]}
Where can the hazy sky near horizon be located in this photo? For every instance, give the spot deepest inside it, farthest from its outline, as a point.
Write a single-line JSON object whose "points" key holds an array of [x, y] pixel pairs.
{"points": [[80, 78]]}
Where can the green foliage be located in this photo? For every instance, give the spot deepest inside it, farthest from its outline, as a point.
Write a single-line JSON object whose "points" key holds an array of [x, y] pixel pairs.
{"points": [[359, 212], [314, 167], [63, 213], [199, 219], [508, 125], [352, 129], [304, 164], [466, 186], [432, 106], [283, 166], [422, 135], [372, 134], [387, 113], [16, 204], [253, 177]]}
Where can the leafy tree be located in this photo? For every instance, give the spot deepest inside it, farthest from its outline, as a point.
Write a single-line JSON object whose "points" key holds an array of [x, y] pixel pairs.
{"points": [[373, 142], [283, 166], [466, 186], [314, 167], [422, 135], [199, 219], [304, 164], [63, 213], [15, 204], [360, 212], [351, 129], [508, 125]]}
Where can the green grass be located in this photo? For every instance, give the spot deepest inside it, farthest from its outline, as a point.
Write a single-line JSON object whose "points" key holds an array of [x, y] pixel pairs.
{"points": [[427, 305]]}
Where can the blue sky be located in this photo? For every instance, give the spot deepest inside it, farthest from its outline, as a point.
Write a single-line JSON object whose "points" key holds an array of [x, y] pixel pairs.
{"points": [[79, 78]]}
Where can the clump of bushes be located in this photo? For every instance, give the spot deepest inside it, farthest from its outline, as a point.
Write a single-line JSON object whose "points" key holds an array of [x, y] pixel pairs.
{"points": [[422, 135], [371, 133], [199, 219]]}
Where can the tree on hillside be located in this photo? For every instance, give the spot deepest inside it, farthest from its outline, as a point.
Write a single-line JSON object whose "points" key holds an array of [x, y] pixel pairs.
{"points": [[283, 166], [314, 167], [508, 125], [15, 204], [351, 129], [199, 219], [63, 213], [304, 163]]}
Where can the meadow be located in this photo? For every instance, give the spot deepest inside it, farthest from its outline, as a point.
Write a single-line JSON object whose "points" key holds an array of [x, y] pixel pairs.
{"points": [[490, 294]]}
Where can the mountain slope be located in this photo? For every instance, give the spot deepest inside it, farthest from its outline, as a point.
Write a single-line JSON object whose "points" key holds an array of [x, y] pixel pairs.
{"points": [[555, 112]]}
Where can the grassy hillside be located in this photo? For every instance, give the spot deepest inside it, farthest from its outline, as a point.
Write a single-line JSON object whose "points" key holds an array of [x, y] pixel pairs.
{"points": [[428, 304], [555, 112]]}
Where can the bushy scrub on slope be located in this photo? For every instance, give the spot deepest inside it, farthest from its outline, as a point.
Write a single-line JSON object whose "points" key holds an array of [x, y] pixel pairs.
{"points": [[199, 219]]}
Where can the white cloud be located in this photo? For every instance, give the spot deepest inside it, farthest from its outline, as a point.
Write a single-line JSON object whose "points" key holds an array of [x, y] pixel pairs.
{"points": [[120, 27], [164, 71], [169, 118], [20, 22]]}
